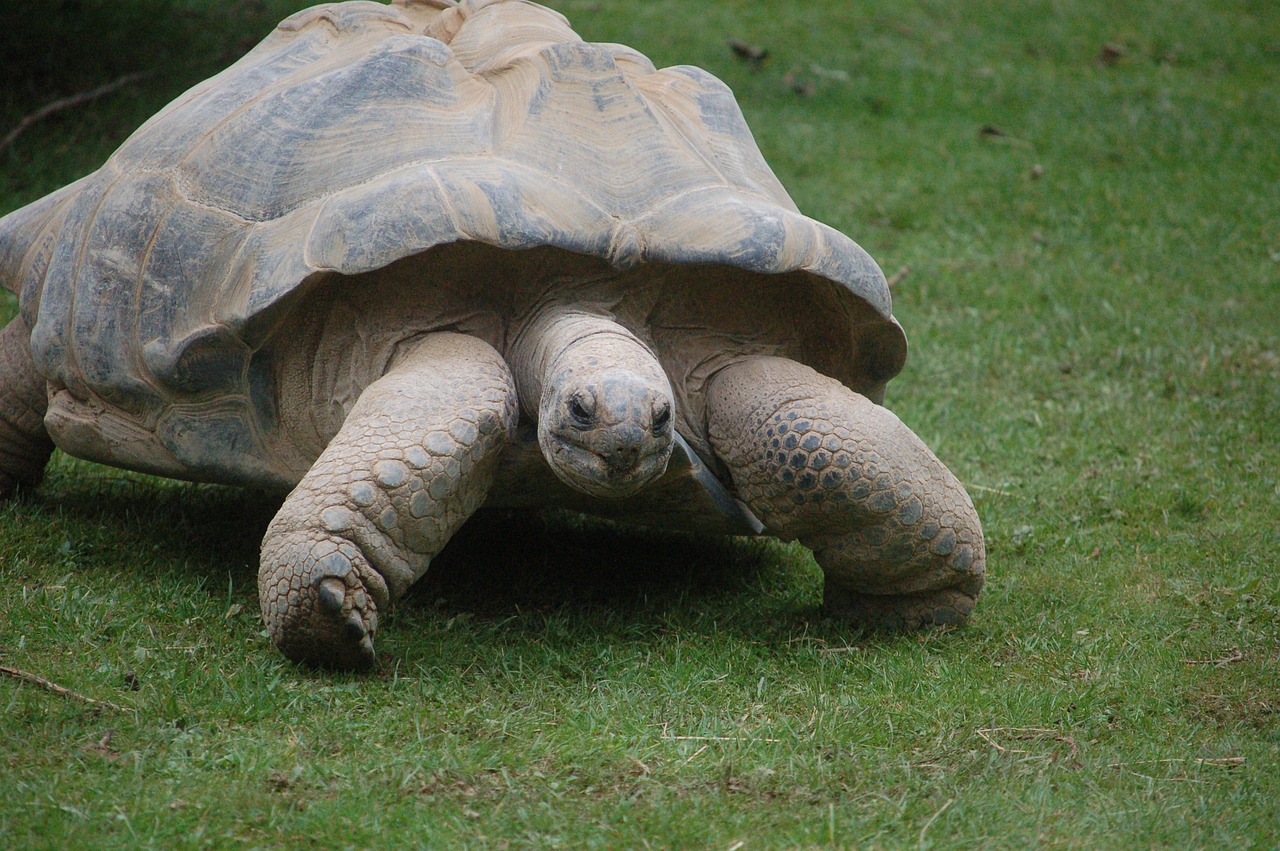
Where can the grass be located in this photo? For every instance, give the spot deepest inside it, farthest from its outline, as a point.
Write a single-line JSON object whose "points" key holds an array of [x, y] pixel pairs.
{"points": [[1092, 297]]}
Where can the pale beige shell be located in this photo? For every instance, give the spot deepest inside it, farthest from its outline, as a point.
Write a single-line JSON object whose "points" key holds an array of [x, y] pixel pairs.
{"points": [[360, 137]]}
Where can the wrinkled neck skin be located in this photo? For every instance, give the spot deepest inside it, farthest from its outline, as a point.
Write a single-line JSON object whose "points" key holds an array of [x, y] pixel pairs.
{"points": [[603, 405]]}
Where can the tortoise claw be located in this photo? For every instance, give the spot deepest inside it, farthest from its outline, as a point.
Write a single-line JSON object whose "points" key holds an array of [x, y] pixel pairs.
{"points": [[354, 628], [330, 594]]}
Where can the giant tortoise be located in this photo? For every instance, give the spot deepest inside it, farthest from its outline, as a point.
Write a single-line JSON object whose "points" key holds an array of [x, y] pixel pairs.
{"points": [[410, 261]]}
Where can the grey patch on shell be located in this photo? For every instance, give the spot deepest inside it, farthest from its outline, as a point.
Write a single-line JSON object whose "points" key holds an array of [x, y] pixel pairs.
{"points": [[209, 358], [962, 559], [416, 456], [391, 474], [219, 444], [337, 519], [759, 251]]}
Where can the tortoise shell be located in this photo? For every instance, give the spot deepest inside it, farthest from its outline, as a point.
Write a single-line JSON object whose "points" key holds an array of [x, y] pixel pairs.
{"points": [[426, 137]]}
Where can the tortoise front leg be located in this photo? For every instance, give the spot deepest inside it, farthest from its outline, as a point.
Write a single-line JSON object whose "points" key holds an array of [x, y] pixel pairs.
{"points": [[414, 458], [893, 530], [24, 444]]}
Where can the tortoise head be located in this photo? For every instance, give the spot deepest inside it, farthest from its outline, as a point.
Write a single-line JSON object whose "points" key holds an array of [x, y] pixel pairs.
{"points": [[604, 405]]}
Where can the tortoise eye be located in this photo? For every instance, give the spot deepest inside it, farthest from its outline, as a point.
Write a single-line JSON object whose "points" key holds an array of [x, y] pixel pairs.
{"points": [[578, 411], [662, 419]]}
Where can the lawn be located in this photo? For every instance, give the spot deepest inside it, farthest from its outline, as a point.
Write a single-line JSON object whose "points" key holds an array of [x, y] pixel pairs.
{"points": [[1080, 204]]}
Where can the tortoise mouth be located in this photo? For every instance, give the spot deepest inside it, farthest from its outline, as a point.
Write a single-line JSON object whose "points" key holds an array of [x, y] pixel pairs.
{"points": [[602, 475]]}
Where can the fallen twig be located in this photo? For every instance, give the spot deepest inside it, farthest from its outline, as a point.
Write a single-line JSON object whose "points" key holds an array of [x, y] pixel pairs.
{"points": [[896, 277], [1234, 656], [49, 685], [65, 103]]}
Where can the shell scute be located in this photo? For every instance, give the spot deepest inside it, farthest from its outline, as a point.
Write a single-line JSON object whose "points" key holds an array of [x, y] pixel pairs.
{"points": [[398, 103]]}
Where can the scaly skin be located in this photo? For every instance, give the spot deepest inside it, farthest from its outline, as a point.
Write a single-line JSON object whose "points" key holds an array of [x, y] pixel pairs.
{"points": [[894, 532], [24, 444], [414, 458]]}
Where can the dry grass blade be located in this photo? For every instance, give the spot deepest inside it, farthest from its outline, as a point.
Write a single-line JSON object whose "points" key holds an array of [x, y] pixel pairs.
{"points": [[1218, 762], [1026, 734], [716, 739], [928, 824], [1234, 656]]}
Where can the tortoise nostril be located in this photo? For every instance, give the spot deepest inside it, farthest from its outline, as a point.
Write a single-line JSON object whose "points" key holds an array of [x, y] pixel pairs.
{"points": [[624, 456], [626, 445]]}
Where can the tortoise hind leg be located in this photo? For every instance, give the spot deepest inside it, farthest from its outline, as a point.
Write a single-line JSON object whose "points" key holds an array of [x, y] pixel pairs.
{"points": [[24, 444], [894, 532], [414, 458]]}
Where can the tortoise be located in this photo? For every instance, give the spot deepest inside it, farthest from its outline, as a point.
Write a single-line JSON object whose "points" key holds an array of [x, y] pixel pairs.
{"points": [[408, 261]]}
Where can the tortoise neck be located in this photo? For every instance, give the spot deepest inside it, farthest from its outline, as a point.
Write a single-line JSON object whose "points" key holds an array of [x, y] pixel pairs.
{"points": [[558, 334]]}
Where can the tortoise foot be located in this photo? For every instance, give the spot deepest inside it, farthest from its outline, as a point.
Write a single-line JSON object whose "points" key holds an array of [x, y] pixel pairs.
{"points": [[25, 446], [414, 458], [320, 600], [899, 612], [892, 529]]}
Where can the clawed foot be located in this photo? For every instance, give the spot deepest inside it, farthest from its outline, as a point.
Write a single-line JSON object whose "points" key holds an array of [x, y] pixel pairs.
{"points": [[320, 600]]}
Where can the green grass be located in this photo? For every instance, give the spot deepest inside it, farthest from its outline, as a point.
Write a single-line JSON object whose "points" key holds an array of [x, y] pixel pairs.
{"points": [[1095, 352]]}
